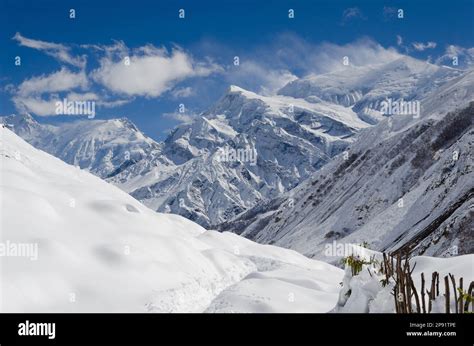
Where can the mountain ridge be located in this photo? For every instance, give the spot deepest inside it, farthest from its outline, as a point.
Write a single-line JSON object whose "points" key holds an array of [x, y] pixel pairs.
{"points": [[405, 183]]}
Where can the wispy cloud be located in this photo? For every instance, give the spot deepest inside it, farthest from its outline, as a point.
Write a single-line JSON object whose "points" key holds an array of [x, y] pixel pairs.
{"points": [[327, 57], [39, 94], [56, 50], [61, 80], [182, 118], [270, 67], [36, 104], [100, 100], [399, 40], [420, 46], [147, 71], [256, 76], [178, 93], [124, 73], [352, 13], [390, 12], [464, 57]]}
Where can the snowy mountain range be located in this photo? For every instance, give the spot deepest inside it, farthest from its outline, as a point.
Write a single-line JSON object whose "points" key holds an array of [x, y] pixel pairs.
{"points": [[405, 184], [197, 171], [188, 174], [283, 140]]}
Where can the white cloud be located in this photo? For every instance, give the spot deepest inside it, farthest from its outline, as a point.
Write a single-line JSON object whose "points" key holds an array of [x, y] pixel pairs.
{"points": [[327, 57], [183, 118], [182, 92], [272, 66], [399, 40], [360, 53], [28, 97], [151, 71], [389, 12], [113, 103], [36, 105], [156, 70], [464, 57], [100, 100], [61, 80], [46, 105], [56, 50], [420, 46], [88, 96], [352, 13], [256, 76]]}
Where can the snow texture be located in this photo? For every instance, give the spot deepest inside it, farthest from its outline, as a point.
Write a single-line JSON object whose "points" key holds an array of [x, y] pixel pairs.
{"points": [[100, 250]]}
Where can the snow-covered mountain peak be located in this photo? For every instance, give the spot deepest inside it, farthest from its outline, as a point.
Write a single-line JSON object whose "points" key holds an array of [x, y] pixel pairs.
{"points": [[364, 88], [103, 147], [128, 124], [236, 89], [245, 149], [20, 118], [23, 124]]}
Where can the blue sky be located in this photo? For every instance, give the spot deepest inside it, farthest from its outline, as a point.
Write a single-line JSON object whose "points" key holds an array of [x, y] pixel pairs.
{"points": [[190, 60]]}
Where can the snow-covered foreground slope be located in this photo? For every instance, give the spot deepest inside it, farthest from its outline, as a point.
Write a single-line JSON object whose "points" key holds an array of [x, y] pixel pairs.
{"points": [[99, 249]]}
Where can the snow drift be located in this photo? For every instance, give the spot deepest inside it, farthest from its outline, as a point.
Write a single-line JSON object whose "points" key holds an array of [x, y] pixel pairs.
{"points": [[100, 250]]}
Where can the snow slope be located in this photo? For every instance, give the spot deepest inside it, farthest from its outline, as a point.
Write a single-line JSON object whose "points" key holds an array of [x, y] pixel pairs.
{"points": [[100, 250]]}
